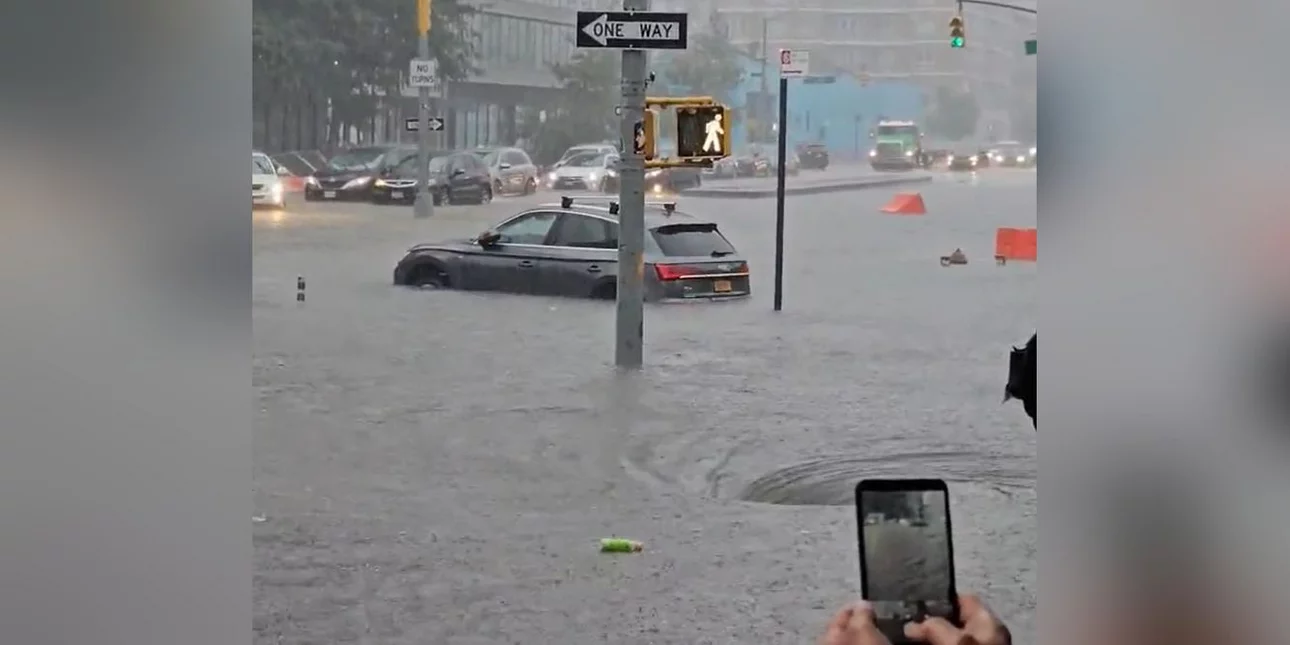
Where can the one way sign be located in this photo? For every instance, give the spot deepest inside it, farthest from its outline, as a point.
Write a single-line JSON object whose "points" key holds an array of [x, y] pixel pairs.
{"points": [[631, 30]]}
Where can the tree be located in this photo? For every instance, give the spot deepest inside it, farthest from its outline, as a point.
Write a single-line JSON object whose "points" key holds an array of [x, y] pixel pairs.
{"points": [[711, 66], [954, 115], [348, 54], [585, 111]]}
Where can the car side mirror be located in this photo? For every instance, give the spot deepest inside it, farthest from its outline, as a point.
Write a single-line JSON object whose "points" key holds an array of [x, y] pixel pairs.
{"points": [[488, 239], [283, 172]]}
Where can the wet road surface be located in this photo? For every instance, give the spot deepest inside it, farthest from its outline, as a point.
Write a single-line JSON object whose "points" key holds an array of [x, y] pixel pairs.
{"points": [[437, 467]]}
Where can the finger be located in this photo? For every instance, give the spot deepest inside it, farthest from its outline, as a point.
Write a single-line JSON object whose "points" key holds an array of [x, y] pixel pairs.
{"points": [[936, 631], [841, 619], [863, 628], [971, 605]]}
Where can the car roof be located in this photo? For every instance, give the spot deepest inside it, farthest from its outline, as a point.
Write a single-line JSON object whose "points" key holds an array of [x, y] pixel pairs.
{"points": [[656, 214]]}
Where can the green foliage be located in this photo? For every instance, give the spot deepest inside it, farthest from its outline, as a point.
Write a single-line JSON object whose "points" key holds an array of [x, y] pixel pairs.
{"points": [[585, 111], [339, 48], [711, 66], [954, 115]]}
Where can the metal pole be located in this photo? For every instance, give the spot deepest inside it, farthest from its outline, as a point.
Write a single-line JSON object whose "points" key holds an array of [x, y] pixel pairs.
{"points": [[424, 205], [779, 193], [630, 332], [761, 115]]}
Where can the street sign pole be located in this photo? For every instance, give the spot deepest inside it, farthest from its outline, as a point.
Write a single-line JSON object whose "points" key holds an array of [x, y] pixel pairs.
{"points": [[629, 334], [792, 63], [779, 194], [423, 207]]}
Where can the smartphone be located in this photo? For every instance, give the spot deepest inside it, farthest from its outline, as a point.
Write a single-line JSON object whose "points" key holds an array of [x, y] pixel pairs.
{"points": [[906, 552]]}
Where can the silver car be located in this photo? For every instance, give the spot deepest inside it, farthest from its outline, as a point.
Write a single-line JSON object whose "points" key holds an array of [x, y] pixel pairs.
{"points": [[512, 171], [571, 249]]}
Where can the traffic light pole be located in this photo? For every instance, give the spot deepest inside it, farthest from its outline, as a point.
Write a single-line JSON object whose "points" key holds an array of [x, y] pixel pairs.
{"points": [[1001, 5], [779, 193], [630, 325], [423, 206]]}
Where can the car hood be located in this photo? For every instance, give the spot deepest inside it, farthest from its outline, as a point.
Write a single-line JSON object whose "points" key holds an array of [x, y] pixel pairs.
{"points": [[464, 244], [267, 180], [332, 173], [577, 171]]}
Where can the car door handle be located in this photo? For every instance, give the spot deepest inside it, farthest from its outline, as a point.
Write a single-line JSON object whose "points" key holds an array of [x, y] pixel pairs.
{"points": [[527, 264], [595, 268]]}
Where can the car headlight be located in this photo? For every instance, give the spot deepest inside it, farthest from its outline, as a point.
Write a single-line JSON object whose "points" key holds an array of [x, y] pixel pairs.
{"points": [[357, 182], [653, 173], [909, 153], [593, 176], [380, 183], [950, 158], [873, 153], [311, 180], [550, 177], [611, 173], [1034, 151], [998, 157], [1021, 158], [974, 160]]}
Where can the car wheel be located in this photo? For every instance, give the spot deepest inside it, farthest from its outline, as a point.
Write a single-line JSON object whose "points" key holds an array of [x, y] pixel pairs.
{"points": [[497, 187], [436, 198], [429, 276], [530, 186], [607, 290]]}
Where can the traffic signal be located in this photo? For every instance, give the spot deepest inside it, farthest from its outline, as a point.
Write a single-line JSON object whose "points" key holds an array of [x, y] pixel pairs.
{"points": [[956, 32], [703, 131], [646, 137]]}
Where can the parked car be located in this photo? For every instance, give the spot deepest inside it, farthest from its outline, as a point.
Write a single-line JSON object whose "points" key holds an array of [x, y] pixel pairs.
{"points": [[455, 178], [511, 169], [659, 181], [584, 149], [588, 171], [266, 182], [814, 156], [571, 249], [350, 174], [722, 169], [766, 159]]}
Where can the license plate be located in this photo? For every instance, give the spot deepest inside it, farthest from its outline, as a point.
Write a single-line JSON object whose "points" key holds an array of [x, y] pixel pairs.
{"points": [[722, 286], [329, 194], [396, 194]]}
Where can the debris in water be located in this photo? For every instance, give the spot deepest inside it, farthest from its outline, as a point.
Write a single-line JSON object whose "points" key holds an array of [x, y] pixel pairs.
{"points": [[619, 545]]}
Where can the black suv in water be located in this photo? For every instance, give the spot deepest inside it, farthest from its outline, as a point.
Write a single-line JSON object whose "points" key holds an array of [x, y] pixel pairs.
{"points": [[571, 249], [455, 178], [814, 156]]}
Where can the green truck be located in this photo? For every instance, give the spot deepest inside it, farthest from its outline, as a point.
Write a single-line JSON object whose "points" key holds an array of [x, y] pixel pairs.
{"points": [[897, 145]]}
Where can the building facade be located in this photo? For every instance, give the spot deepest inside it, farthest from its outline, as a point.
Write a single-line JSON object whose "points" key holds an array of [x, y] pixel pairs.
{"points": [[890, 40]]}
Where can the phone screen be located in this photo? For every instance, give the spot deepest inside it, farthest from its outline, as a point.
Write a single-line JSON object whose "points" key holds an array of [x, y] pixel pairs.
{"points": [[906, 552]]}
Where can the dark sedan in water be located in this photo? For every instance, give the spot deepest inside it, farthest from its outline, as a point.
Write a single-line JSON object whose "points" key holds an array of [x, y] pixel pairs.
{"points": [[349, 175], [814, 156], [455, 178], [967, 159], [571, 249]]}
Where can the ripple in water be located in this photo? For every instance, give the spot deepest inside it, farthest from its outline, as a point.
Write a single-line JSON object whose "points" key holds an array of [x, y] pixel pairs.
{"points": [[831, 481]]}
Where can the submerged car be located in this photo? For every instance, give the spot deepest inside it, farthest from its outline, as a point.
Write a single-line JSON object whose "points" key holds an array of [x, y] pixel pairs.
{"points": [[1013, 154], [967, 159], [266, 182], [571, 249], [512, 171], [814, 156], [590, 171], [455, 178], [349, 175]]}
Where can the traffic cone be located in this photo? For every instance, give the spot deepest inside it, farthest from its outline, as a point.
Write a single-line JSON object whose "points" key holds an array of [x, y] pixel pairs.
{"points": [[906, 204]]}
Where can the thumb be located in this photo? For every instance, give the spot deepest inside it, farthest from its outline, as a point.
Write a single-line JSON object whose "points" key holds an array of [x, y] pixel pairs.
{"points": [[937, 631], [863, 628]]}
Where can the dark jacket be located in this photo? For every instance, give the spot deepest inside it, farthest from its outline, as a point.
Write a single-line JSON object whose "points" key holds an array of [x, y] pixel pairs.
{"points": [[1021, 378]]}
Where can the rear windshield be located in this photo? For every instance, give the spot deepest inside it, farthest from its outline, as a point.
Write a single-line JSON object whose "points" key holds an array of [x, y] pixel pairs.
{"points": [[692, 240]]}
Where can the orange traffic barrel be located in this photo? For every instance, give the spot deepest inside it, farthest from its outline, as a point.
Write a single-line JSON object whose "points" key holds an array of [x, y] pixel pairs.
{"points": [[906, 204], [1016, 244]]}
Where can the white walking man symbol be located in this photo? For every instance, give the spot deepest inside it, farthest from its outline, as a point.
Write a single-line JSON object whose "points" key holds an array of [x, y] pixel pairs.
{"points": [[713, 141]]}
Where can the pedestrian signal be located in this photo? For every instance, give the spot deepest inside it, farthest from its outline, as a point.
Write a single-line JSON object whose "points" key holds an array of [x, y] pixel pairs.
{"points": [[703, 132], [645, 135], [957, 38]]}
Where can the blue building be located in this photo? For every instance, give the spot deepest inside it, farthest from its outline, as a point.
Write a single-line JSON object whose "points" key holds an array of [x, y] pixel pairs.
{"points": [[835, 109]]}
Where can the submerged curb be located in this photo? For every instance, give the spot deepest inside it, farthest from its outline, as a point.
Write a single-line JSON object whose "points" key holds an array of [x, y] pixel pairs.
{"points": [[829, 187]]}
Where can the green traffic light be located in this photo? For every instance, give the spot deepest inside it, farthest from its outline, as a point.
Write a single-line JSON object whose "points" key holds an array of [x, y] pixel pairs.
{"points": [[956, 42]]}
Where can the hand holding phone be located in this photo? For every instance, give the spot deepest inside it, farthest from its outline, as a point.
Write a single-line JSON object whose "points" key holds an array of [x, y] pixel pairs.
{"points": [[857, 625], [906, 554]]}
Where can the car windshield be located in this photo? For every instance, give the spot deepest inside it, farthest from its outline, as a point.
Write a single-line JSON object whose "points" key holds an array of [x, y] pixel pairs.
{"points": [[692, 240], [360, 159], [408, 167], [898, 131], [587, 161], [578, 151], [261, 166], [1012, 149], [489, 157]]}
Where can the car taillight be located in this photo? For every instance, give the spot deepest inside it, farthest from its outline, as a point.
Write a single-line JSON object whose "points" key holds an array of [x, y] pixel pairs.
{"points": [[741, 268], [668, 272]]}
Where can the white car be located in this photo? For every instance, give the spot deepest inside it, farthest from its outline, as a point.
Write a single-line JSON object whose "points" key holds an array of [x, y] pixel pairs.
{"points": [[590, 171], [266, 182]]}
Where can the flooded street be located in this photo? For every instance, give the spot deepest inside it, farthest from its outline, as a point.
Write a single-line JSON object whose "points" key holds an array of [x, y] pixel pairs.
{"points": [[437, 466]]}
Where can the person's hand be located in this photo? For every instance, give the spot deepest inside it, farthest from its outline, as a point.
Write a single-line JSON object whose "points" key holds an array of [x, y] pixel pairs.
{"points": [[980, 627], [854, 625]]}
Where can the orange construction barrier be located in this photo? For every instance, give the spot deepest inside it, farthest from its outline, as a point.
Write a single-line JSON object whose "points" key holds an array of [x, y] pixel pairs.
{"points": [[906, 204], [1016, 244]]}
